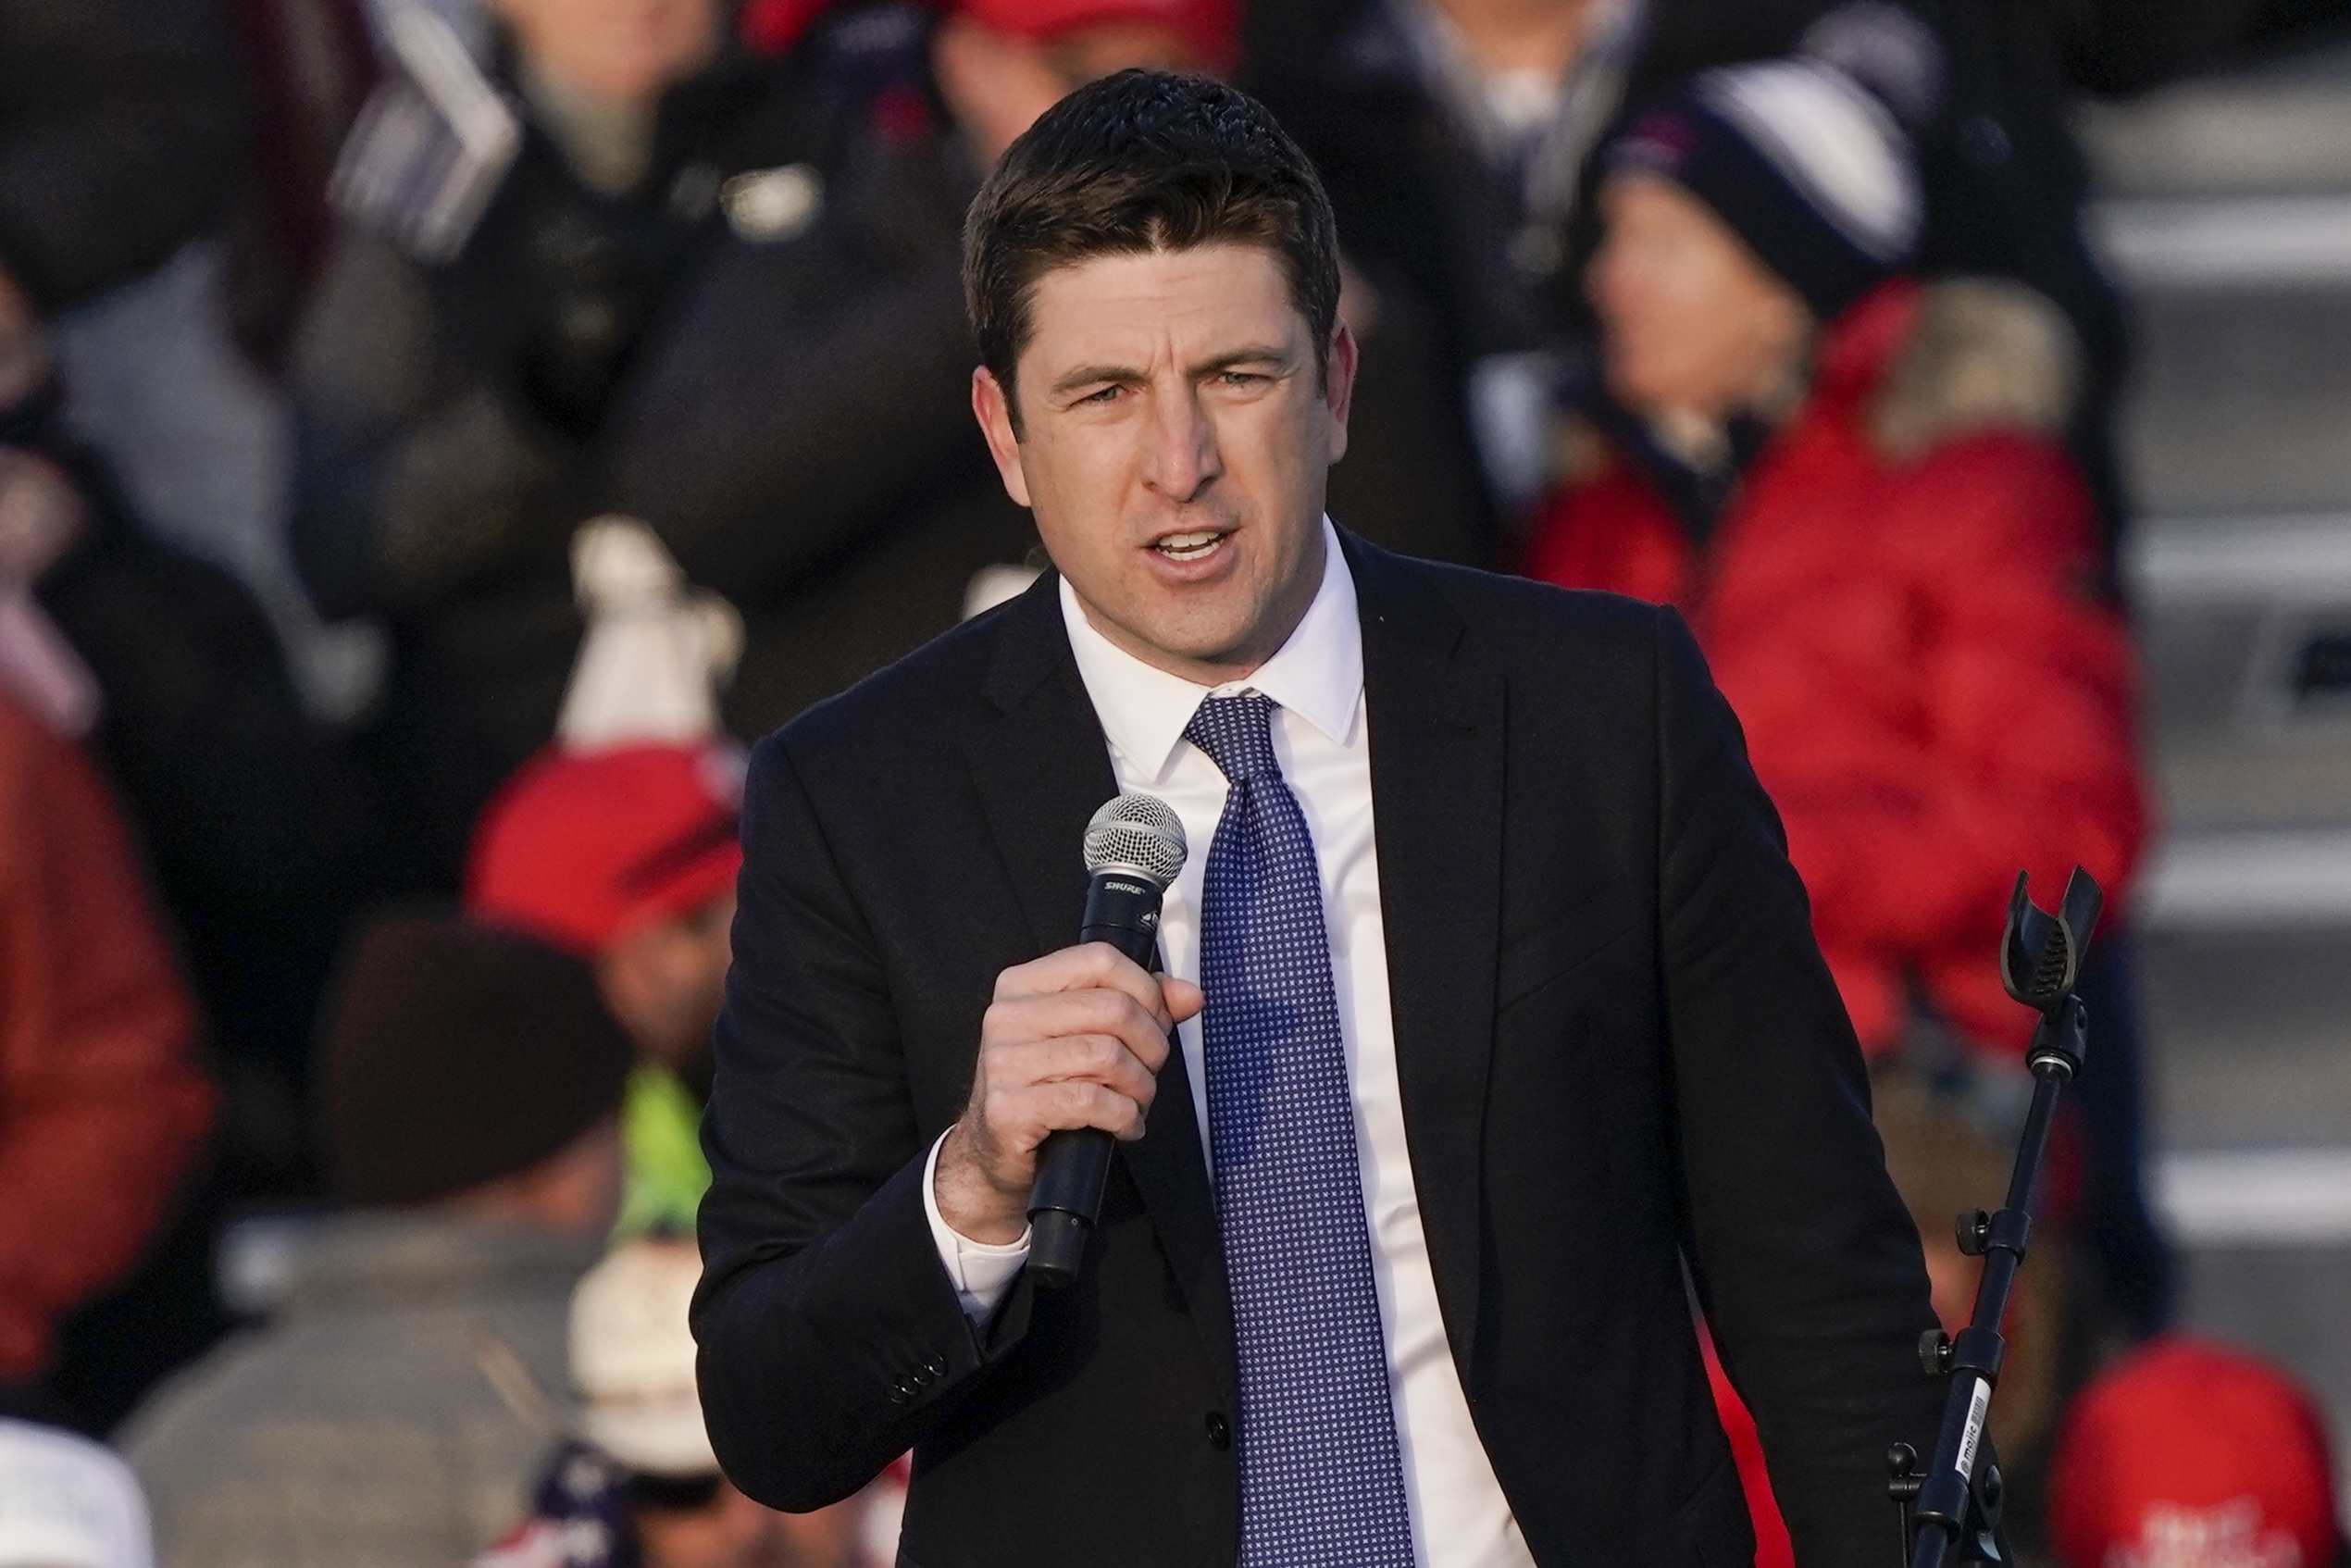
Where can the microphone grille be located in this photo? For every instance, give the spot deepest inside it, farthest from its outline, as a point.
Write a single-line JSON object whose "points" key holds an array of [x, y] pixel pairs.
{"points": [[1137, 833]]}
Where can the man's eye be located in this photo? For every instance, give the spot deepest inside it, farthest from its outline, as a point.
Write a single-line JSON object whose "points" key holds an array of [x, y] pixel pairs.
{"points": [[1241, 377], [1104, 394]]}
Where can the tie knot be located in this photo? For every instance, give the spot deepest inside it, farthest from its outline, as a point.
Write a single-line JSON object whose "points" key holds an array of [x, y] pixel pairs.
{"points": [[1238, 735]]}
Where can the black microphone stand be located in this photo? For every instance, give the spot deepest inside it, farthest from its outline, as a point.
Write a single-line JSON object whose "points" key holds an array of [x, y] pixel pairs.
{"points": [[1951, 1511]]}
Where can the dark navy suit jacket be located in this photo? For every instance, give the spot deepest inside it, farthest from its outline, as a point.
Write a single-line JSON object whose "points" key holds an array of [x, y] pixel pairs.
{"points": [[1619, 1054]]}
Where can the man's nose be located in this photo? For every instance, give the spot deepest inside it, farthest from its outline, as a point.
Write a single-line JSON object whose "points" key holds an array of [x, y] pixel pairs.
{"points": [[1182, 460]]}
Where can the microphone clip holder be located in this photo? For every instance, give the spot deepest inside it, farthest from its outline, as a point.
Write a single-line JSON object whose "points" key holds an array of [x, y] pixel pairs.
{"points": [[1950, 1509]]}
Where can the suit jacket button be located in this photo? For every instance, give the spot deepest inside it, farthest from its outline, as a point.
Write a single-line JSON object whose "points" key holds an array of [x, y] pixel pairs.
{"points": [[1220, 1431]]}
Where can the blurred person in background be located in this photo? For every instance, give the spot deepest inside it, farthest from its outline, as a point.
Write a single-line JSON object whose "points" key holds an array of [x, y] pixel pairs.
{"points": [[309, 66], [242, 803], [802, 445], [2191, 1454], [66, 1503], [120, 125], [1970, 356], [1853, 485], [102, 1105], [638, 1487], [496, 281], [249, 818], [126, 151], [1854, 488], [468, 1085], [626, 859], [1459, 139]]}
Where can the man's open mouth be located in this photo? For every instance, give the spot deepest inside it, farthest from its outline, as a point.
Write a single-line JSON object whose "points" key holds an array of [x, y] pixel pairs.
{"points": [[1190, 546]]}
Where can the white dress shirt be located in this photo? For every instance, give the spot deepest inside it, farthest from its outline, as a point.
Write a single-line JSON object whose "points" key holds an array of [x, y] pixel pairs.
{"points": [[1459, 1517]]}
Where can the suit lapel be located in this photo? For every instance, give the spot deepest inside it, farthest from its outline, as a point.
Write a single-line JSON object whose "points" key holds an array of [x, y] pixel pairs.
{"points": [[1041, 770], [1438, 761]]}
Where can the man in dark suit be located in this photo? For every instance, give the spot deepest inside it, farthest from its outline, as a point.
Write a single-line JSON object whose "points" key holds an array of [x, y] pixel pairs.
{"points": [[1508, 1033]]}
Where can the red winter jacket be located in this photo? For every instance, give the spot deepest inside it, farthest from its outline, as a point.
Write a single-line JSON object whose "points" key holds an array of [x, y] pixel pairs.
{"points": [[1897, 602], [102, 1104]]}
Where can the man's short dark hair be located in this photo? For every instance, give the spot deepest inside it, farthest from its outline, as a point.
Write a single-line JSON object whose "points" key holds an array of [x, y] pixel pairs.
{"points": [[1137, 162]]}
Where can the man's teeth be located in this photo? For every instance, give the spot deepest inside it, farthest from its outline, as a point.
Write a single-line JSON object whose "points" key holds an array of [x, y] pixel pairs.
{"points": [[1188, 546]]}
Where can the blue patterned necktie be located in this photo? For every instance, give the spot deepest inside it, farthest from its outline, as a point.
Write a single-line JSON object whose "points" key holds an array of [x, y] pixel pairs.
{"points": [[1322, 1480]]}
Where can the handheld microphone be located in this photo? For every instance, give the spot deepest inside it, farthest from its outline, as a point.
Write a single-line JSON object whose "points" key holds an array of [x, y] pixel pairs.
{"points": [[1134, 848]]}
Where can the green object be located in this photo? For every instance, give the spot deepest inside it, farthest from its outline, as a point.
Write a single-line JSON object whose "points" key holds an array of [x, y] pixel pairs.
{"points": [[665, 1175]]}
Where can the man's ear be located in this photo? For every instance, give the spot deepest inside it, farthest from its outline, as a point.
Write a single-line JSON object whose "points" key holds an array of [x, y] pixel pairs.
{"points": [[993, 409], [1338, 385]]}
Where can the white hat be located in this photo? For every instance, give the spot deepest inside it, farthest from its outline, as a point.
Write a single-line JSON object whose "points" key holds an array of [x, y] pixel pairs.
{"points": [[655, 649], [632, 1359], [66, 1503]]}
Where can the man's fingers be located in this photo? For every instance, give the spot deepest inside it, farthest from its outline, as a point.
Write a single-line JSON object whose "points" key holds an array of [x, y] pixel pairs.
{"points": [[1074, 1040], [1091, 967], [1095, 1012], [1091, 1105], [1023, 1117], [1102, 1059], [1183, 998]]}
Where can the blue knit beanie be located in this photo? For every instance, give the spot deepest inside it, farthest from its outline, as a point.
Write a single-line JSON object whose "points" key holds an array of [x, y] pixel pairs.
{"points": [[1797, 159]]}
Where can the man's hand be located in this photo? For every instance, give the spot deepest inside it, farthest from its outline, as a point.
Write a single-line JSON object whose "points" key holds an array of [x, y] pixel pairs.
{"points": [[1072, 1039]]}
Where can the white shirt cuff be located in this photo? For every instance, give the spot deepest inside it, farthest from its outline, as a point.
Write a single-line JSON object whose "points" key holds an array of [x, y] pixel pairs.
{"points": [[982, 1272]]}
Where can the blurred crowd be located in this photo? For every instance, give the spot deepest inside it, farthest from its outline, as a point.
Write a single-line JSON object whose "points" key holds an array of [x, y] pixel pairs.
{"points": [[435, 435]]}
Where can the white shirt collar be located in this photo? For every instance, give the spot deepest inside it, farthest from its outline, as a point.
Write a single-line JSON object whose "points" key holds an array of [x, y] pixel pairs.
{"points": [[1318, 674]]}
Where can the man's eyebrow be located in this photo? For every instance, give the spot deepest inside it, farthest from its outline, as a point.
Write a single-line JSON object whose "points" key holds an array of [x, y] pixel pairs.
{"points": [[1127, 375], [1095, 375], [1253, 353]]}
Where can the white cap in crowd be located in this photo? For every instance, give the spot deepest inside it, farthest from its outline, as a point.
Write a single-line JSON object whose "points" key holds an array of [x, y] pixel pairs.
{"points": [[66, 1502], [656, 649], [632, 1359]]}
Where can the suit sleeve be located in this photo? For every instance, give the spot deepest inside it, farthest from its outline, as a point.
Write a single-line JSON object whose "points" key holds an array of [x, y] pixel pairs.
{"points": [[1807, 1265], [831, 1336]]}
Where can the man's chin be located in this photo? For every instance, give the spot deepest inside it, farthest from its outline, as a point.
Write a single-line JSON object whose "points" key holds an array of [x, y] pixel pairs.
{"points": [[1172, 635], [1218, 650]]}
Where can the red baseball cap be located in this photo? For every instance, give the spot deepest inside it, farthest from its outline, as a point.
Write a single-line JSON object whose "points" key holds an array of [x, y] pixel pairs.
{"points": [[2189, 1454], [1211, 27], [579, 849], [770, 27]]}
